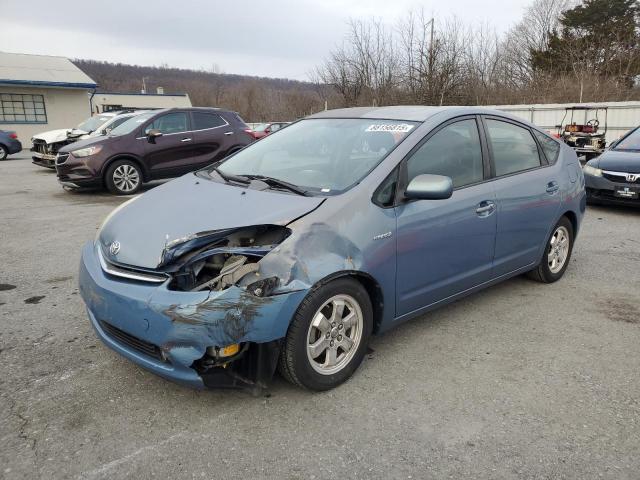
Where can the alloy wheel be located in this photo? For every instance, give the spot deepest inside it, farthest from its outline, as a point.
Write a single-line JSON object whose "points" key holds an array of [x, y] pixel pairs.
{"points": [[334, 334], [558, 249], [126, 178]]}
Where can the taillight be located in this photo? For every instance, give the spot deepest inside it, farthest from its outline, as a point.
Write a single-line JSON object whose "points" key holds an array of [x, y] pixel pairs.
{"points": [[13, 135], [250, 132]]}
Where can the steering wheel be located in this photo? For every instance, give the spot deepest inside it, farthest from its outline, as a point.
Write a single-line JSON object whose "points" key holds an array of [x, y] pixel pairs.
{"points": [[594, 122]]}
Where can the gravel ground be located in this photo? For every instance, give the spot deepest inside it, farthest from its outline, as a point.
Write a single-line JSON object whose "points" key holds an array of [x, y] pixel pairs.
{"points": [[522, 380]]}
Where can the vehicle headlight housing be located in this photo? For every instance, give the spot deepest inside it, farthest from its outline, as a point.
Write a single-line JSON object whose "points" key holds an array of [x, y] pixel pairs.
{"points": [[593, 171], [86, 152]]}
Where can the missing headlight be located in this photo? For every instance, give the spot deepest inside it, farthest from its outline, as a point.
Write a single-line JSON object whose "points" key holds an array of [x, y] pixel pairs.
{"points": [[226, 260]]}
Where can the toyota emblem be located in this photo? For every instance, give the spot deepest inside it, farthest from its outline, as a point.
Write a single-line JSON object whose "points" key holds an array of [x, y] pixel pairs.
{"points": [[114, 248]]}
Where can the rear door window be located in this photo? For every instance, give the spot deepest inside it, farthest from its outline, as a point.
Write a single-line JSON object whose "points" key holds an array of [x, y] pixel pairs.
{"points": [[514, 149], [176, 122], [203, 121]]}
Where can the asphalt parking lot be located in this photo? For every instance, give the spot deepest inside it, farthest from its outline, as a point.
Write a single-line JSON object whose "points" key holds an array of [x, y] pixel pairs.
{"points": [[523, 380]]}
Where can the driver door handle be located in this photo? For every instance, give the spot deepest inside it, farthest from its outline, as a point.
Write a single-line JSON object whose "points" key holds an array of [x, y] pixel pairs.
{"points": [[186, 140]]}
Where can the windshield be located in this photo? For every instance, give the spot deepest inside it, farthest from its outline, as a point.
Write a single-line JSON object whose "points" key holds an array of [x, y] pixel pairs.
{"points": [[93, 123], [630, 142], [131, 124], [323, 155]]}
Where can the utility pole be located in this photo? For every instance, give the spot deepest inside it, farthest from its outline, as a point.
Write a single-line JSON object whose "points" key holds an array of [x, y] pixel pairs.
{"points": [[431, 58], [144, 84]]}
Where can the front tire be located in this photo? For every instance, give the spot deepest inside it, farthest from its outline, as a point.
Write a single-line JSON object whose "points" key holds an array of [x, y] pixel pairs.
{"points": [[123, 177], [557, 253], [328, 336]]}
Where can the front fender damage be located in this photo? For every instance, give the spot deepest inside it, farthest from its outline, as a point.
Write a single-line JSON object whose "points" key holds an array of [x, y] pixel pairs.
{"points": [[255, 278]]}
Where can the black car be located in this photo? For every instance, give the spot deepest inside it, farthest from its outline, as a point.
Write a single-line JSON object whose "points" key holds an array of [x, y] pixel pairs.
{"points": [[9, 144], [614, 176], [158, 144]]}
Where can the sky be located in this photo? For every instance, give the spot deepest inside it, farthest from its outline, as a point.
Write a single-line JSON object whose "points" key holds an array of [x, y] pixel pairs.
{"points": [[272, 38]]}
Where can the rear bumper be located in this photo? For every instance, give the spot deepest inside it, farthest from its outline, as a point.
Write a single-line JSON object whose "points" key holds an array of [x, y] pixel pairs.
{"points": [[166, 331], [14, 146]]}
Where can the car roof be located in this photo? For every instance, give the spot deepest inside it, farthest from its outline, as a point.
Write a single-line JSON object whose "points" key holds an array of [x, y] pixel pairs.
{"points": [[192, 109], [409, 113]]}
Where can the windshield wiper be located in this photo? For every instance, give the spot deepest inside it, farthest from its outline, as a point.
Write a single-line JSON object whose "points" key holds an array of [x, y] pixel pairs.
{"points": [[231, 178], [276, 182]]}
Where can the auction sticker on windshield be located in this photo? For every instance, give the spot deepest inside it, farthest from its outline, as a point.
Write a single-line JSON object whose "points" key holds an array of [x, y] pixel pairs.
{"points": [[389, 127]]}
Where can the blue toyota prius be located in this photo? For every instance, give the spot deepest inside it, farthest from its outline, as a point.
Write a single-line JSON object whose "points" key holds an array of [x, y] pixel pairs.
{"points": [[292, 252]]}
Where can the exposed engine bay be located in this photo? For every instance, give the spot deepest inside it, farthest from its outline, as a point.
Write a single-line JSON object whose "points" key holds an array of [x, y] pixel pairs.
{"points": [[219, 259]]}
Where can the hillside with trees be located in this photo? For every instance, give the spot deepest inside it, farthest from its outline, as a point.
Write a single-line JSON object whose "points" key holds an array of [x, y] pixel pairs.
{"points": [[256, 98], [560, 51]]}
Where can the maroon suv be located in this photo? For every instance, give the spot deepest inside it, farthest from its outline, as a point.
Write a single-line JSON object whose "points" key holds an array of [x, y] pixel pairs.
{"points": [[158, 144]]}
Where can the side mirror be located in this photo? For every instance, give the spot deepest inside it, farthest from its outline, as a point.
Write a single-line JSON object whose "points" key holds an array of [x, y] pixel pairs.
{"points": [[153, 134], [429, 187]]}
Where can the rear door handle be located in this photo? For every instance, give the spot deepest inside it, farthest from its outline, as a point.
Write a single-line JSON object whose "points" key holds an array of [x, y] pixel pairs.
{"points": [[228, 133], [185, 140], [485, 208], [552, 187]]}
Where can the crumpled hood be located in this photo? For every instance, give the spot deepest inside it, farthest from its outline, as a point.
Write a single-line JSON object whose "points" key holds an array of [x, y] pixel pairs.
{"points": [[191, 205], [619, 161], [60, 135]]}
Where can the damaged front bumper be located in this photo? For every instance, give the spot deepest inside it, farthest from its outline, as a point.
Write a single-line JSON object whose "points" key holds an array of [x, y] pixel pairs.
{"points": [[44, 160], [168, 332]]}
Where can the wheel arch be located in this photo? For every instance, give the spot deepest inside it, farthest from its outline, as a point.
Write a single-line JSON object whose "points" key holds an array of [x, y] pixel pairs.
{"points": [[573, 218], [371, 286], [132, 158]]}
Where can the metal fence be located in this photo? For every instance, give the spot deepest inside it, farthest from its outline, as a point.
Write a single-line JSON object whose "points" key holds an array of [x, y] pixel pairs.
{"points": [[620, 116]]}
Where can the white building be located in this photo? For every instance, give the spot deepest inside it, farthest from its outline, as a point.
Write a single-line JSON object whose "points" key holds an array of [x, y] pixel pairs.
{"points": [[109, 101], [619, 117], [39, 93]]}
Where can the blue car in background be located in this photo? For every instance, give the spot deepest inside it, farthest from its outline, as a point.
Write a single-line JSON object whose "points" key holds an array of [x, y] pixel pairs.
{"points": [[614, 176], [9, 144], [292, 252]]}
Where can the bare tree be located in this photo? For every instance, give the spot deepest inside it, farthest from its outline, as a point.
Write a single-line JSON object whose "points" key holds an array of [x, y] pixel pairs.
{"points": [[538, 23], [434, 58], [364, 69]]}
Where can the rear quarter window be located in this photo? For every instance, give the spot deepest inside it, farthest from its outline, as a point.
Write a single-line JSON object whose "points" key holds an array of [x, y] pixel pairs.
{"points": [[550, 147], [203, 121]]}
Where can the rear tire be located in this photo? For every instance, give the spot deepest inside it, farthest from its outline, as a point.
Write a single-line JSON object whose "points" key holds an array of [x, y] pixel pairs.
{"points": [[3, 152], [123, 177], [328, 336], [557, 253]]}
